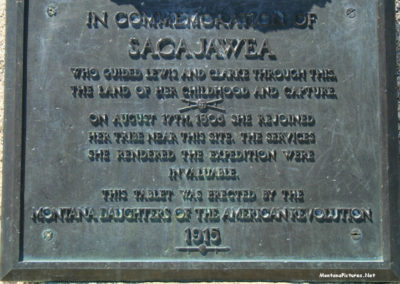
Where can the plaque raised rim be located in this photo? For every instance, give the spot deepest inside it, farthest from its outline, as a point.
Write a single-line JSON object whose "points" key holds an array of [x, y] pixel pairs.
{"points": [[12, 268]]}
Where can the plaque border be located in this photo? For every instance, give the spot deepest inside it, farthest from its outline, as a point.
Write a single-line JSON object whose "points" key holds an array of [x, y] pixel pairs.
{"points": [[13, 268]]}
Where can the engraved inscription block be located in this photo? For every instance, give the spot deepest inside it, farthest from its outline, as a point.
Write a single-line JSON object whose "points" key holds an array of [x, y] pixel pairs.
{"points": [[200, 140]]}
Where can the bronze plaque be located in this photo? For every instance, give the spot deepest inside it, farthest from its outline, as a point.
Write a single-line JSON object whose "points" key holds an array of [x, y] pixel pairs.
{"points": [[200, 140]]}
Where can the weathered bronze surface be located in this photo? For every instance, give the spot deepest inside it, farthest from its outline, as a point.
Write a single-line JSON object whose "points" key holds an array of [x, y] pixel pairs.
{"points": [[200, 140]]}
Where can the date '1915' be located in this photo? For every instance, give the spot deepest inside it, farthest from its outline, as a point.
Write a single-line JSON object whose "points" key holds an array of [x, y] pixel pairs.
{"points": [[203, 241]]}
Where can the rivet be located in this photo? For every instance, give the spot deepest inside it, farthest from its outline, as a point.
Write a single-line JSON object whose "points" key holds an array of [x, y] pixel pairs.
{"points": [[51, 11], [48, 235], [351, 12], [356, 234]]}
